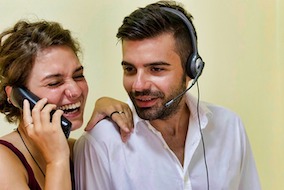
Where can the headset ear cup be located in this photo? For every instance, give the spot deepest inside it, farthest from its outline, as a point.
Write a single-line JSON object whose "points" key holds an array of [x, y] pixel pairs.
{"points": [[194, 64], [194, 67], [191, 67]]}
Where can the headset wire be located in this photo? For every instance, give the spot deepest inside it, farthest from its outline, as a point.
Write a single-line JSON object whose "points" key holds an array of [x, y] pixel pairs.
{"points": [[201, 134]]}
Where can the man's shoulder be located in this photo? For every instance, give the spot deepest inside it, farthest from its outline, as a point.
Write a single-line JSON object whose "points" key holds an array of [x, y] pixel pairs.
{"points": [[223, 118], [104, 130], [220, 110], [104, 133]]}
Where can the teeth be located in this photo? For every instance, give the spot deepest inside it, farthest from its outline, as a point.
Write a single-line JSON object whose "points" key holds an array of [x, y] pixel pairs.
{"points": [[70, 106], [145, 99]]}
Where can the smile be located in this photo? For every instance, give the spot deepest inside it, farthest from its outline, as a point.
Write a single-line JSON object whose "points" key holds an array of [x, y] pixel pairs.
{"points": [[70, 107], [144, 99]]}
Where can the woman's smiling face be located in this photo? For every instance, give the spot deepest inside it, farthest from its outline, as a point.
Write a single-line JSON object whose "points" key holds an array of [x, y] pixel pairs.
{"points": [[57, 75]]}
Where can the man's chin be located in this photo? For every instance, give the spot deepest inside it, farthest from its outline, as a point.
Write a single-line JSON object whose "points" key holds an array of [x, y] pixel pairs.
{"points": [[147, 115]]}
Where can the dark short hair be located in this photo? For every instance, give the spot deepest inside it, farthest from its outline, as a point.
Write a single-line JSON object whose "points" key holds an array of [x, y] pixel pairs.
{"points": [[19, 46], [151, 21]]}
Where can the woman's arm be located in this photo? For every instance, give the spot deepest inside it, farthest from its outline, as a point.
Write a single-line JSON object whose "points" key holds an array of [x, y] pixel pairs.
{"points": [[51, 142]]}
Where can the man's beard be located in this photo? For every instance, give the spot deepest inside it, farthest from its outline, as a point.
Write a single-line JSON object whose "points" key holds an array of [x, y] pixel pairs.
{"points": [[159, 110]]}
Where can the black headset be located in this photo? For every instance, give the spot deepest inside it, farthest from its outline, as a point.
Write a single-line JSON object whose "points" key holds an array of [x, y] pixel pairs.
{"points": [[194, 67], [194, 64]]}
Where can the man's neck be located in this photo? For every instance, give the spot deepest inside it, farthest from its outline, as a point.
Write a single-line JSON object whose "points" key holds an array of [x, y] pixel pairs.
{"points": [[174, 131]]}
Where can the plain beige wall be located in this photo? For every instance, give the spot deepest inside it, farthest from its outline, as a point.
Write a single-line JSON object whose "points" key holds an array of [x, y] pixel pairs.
{"points": [[240, 41]]}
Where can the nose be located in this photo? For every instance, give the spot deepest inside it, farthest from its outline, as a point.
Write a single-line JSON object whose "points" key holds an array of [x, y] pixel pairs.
{"points": [[141, 82], [73, 90]]}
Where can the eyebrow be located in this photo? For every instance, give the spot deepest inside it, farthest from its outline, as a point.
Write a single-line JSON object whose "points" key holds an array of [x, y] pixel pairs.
{"points": [[158, 63], [79, 69], [59, 75]]}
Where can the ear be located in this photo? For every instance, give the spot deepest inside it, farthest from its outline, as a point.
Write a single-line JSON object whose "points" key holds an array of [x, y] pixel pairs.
{"points": [[188, 79], [8, 90]]}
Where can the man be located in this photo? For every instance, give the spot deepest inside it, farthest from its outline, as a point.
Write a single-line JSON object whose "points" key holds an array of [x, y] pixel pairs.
{"points": [[177, 142]]}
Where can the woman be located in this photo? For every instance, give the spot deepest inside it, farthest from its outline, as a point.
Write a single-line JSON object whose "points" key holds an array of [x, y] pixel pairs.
{"points": [[43, 57]]}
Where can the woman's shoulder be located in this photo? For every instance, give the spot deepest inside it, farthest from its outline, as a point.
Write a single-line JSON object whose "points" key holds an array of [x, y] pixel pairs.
{"points": [[12, 170]]}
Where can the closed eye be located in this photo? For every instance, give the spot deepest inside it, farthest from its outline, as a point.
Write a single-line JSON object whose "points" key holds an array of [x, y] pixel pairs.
{"points": [[55, 83], [79, 77]]}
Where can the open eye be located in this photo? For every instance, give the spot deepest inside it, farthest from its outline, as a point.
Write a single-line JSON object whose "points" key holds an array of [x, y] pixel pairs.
{"points": [[157, 69], [128, 69]]}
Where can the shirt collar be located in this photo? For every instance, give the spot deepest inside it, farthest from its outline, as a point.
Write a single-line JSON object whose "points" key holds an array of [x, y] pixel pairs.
{"points": [[196, 105]]}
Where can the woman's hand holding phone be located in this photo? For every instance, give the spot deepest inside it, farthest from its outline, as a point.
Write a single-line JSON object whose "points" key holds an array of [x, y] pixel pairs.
{"points": [[46, 133]]}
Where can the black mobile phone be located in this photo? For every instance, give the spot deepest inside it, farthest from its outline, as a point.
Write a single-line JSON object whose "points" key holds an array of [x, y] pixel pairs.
{"points": [[17, 97]]}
